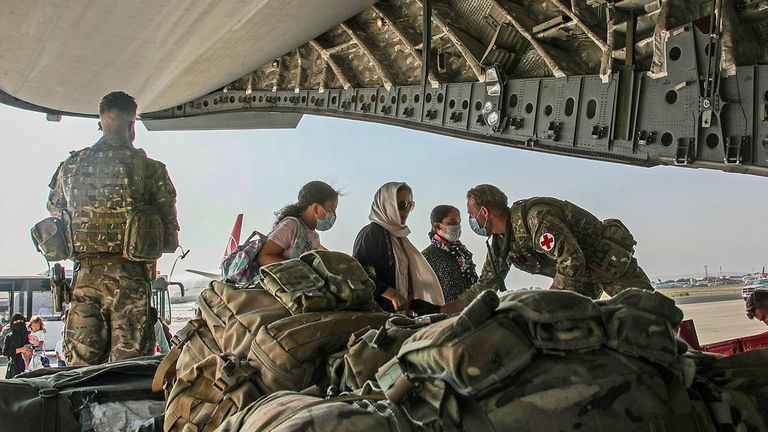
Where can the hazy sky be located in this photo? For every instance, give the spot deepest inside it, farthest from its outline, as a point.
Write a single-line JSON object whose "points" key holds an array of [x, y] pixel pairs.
{"points": [[683, 219]]}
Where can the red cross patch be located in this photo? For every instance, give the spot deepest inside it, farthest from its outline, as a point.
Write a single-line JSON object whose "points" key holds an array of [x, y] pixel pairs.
{"points": [[547, 241]]}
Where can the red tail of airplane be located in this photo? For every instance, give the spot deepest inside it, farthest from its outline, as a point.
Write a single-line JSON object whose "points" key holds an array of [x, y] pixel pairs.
{"points": [[234, 237]]}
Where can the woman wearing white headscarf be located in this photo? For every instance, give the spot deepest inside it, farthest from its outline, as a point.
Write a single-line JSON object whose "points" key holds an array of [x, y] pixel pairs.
{"points": [[399, 270]]}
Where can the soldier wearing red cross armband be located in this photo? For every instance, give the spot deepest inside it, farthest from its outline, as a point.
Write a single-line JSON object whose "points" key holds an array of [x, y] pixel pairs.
{"points": [[554, 238]]}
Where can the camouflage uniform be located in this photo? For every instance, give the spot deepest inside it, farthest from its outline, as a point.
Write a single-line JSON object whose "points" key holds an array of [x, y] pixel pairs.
{"points": [[96, 189], [555, 238]]}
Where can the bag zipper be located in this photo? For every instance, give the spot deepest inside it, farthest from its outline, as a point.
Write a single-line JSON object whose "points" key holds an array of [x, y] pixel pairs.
{"points": [[272, 367]]}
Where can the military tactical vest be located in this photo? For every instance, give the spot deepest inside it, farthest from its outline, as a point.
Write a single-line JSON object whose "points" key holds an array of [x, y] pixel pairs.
{"points": [[102, 184]]}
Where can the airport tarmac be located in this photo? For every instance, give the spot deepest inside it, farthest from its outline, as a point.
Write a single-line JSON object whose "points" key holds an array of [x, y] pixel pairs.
{"points": [[720, 320]]}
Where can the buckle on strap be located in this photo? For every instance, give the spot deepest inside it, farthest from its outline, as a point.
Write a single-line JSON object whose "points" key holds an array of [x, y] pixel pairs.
{"points": [[48, 393], [233, 373], [394, 382], [182, 336]]}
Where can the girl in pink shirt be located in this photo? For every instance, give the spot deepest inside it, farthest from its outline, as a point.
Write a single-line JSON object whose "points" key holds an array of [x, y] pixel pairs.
{"points": [[295, 230]]}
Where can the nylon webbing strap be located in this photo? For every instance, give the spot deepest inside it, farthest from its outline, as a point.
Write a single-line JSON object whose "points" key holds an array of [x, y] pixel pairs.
{"points": [[50, 397], [139, 174], [166, 371]]}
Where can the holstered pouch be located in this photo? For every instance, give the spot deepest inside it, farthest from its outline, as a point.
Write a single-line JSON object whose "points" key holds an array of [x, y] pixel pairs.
{"points": [[52, 237], [144, 235]]}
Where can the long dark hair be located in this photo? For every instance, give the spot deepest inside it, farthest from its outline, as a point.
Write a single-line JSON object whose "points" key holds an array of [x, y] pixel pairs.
{"points": [[438, 214], [314, 192]]}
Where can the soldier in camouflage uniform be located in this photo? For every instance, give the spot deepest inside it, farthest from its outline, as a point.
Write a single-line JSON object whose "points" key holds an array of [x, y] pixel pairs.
{"points": [[98, 190], [554, 238]]}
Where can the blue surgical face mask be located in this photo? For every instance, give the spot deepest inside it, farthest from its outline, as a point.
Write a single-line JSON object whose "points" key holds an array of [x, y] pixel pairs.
{"points": [[451, 233], [482, 231], [327, 222]]}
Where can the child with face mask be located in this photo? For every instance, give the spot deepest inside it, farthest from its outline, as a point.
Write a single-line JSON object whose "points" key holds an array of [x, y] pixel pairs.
{"points": [[448, 257], [295, 230]]}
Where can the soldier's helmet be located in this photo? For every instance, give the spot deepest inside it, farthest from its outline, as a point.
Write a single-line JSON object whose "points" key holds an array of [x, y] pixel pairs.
{"points": [[756, 299]]}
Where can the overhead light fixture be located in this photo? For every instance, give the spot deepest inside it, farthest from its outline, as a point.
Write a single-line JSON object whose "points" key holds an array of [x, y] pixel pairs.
{"points": [[494, 91]]}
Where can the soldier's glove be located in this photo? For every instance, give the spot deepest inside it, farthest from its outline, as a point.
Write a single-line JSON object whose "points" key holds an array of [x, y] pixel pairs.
{"points": [[423, 307]]}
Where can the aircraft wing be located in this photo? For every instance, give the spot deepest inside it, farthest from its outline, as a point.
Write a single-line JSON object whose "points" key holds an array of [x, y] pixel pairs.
{"points": [[638, 82], [206, 274], [65, 56]]}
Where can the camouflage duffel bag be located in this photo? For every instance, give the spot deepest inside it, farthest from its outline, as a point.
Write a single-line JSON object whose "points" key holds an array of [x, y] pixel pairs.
{"points": [[297, 286], [320, 281], [471, 352], [286, 411], [208, 385], [344, 277], [642, 324], [599, 390], [368, 350], [291, 354], [735, 389], [540, 358]]}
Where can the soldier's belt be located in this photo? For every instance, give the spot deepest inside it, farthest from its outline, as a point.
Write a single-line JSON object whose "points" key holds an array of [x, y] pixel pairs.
{"points": [[100, 260]]}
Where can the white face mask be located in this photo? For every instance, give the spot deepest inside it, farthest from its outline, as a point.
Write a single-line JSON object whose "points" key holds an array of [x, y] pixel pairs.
{"points": [[451, 233]]}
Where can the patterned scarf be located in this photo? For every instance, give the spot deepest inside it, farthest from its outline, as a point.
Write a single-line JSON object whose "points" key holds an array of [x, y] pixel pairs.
{"points": [[461, 253]]}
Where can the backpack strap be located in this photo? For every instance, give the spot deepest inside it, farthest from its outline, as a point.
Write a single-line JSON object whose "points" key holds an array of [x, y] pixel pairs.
{"points": [[300, 241], [139, 177], [50, 397], [166, 371]]}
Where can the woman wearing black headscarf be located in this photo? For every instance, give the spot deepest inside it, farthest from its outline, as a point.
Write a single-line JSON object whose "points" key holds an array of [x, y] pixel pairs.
{"points": [[15, 345]]}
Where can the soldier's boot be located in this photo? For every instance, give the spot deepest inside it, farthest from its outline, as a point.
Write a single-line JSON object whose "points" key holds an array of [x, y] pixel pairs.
{"points": [[132, 333]]}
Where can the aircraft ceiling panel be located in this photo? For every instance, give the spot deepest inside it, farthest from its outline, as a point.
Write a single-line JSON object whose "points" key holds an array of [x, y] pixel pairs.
{"points": [[164, 53]]}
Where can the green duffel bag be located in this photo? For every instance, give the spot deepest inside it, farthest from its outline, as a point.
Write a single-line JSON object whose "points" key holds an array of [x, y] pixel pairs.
{"points": [[344, 277], [471, 352], [598, 391], [297, 286], [561, 320], [286, 411], [112, 396], [735, 389], [642, 323], [291, 354], [368, 350]]}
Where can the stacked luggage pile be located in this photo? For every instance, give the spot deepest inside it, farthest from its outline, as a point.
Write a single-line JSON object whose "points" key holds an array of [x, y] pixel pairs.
{"points": [[308, 350]]}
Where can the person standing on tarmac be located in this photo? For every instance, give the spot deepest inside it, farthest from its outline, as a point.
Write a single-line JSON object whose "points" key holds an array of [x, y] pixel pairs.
{"points": [[15, 346], [550, 237], [120, 207]]}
